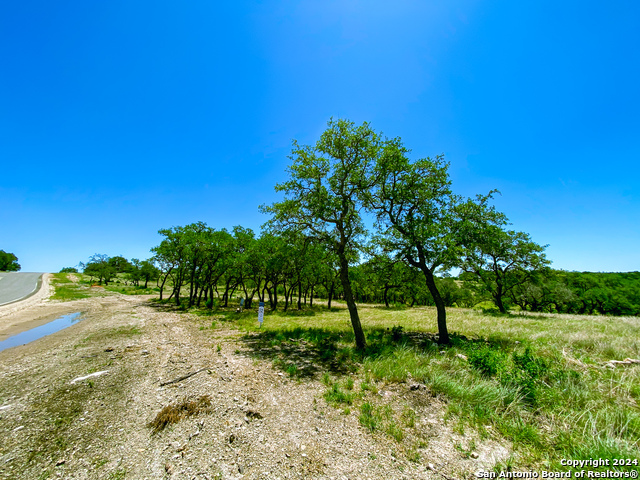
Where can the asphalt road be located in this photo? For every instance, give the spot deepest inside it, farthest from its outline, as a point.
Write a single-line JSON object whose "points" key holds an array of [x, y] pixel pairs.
{"points": [[15, 286]]}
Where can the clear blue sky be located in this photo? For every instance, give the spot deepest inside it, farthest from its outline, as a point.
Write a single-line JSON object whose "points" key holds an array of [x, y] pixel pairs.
{"points": [[120, 118]]}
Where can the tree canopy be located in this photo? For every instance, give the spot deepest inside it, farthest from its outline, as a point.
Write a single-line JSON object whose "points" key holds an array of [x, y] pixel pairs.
{"points": [[326, 193], [8, 262]]}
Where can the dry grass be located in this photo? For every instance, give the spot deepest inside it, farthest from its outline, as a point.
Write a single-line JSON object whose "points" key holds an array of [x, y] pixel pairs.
{"points": [[177, 411]]}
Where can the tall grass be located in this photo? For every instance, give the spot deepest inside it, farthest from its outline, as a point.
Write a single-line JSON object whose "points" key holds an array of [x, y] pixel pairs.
{"points": [[539, 381]]}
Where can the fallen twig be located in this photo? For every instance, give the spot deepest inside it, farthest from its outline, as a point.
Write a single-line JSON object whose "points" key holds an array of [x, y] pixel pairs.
{"points": [[626, 361], [184, 377]]}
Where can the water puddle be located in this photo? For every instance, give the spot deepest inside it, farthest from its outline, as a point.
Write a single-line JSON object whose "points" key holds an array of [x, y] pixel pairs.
{"points": [[41, 331]]}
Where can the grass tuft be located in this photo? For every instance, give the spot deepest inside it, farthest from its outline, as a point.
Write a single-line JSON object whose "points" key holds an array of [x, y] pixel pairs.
{"points": [[177, 411]]}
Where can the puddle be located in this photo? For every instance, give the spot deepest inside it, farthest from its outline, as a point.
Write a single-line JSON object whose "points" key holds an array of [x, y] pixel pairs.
{"points": [[41, 331]]}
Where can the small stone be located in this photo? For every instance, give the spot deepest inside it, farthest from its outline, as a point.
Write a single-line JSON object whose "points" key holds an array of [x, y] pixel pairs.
{"points": [[474, 455], [461, 356], [60, 462]]}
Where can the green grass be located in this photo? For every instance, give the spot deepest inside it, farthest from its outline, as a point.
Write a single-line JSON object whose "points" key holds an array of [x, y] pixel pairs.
{"points": [[131, 289], [339, 393], [537, 380], [66, 290]]}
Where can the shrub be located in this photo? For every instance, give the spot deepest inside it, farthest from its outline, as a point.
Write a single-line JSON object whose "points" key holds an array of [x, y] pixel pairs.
{"points": [[487, 360]]}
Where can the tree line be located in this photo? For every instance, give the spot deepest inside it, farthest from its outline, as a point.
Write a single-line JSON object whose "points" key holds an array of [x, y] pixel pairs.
{"points": [[318, 243], [104, 269], [285, 275]]}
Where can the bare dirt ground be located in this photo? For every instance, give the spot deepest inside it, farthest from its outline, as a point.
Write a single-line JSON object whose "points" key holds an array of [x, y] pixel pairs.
{"points": [[259, 424]]}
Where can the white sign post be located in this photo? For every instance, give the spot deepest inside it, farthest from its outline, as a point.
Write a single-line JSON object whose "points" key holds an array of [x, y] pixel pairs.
{"points": [[261, 313]]}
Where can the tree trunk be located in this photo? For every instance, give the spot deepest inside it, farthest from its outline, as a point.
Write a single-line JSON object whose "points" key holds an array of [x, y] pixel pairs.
{"points": [[163, 281], [361, 342], [498, 299], [443, 334], [176, 291], [286, 295]]}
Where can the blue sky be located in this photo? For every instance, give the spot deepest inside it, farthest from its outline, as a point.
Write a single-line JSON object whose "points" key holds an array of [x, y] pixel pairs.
{"points": [[120, 118]]}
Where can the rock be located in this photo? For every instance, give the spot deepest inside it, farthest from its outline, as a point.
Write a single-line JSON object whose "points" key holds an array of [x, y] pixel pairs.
{"points": [[254, 415], [91, 375], [461, 356], [417, 386], [60, 462], [474, 455]]}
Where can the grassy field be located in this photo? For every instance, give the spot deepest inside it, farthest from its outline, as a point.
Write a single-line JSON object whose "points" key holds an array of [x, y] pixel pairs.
{"points": [[77, 285], [543, 382], [66, 289]]}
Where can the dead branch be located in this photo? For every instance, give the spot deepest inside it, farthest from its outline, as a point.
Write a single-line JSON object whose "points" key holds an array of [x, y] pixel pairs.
{"points": [[184, 377]]}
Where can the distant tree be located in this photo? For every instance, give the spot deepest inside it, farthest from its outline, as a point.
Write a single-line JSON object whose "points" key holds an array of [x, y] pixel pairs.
{"points": [[325, 194], [133, 272], [500, 259], [99, 267], [148, 271], [8, 262], [69, 270], [120, 264]]}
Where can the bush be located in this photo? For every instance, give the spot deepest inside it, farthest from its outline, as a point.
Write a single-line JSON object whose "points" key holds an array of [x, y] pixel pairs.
{"points": [[527, 373], [487, 360], [212, 303]]}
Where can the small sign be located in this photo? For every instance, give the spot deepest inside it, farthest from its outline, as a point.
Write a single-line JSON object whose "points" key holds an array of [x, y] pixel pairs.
{"points": [[261, 313], [242, 302]]}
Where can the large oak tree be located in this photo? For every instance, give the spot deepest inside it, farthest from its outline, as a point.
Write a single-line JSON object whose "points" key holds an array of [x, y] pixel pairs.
{"points": [[325, 195]]}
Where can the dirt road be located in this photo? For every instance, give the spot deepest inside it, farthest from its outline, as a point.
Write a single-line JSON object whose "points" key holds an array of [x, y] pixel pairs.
{"points": [[255, 421]]}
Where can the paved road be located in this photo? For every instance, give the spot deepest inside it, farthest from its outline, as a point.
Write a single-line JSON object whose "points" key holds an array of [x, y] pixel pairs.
{"points": [[15, 286]]}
